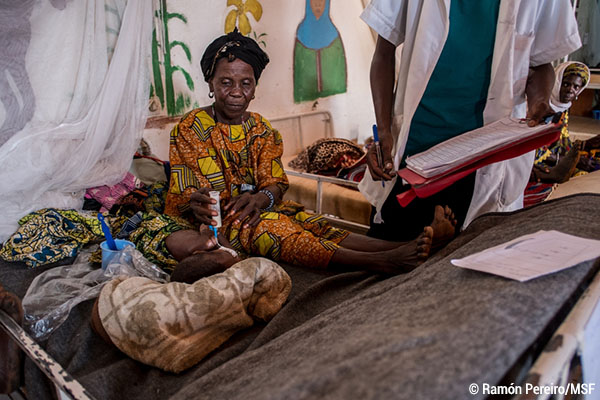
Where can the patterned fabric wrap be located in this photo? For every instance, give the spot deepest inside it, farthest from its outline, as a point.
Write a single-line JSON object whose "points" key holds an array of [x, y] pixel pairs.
{"points": [[580, 70], [328, 156], [50, 235], [224, 157], [537, 192], [173, 326], [147, 199], [549, 155], [150, 238], [108, 196], [558, 148]]}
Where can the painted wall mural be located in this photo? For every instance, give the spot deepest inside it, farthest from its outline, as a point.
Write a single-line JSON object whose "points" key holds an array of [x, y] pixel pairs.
{"points": [[165, 96], [237, 17], [163, 69], [319, 57]]}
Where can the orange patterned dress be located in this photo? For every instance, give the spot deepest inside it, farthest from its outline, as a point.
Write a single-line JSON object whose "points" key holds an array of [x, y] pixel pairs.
{"points": [[230, 159]]}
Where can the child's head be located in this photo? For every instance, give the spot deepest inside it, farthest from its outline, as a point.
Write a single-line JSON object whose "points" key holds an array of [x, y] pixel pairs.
{"points": [[184, 243], [199, 254]]}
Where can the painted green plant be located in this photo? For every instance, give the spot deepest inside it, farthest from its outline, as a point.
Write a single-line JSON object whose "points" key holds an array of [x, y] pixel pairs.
{"points": [[175, 105], [238, 17], [259, 38]]}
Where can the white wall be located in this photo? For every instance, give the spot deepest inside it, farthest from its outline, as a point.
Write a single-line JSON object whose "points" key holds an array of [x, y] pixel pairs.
{"points": [[352, 111]]}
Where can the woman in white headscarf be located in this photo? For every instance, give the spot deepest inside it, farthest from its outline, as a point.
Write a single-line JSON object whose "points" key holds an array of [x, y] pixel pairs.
{"points": [[557, 162]]}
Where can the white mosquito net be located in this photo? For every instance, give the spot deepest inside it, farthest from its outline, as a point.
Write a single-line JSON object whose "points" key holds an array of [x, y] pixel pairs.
{"points": [[74, 89]]}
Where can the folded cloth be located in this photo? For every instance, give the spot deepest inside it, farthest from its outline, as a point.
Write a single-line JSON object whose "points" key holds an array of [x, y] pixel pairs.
{"points": [[50, 235], [172, 326], [108, 196], [327, 156]]}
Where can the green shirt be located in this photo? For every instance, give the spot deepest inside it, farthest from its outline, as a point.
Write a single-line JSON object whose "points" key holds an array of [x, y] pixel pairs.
{"points": [[455, 96]]}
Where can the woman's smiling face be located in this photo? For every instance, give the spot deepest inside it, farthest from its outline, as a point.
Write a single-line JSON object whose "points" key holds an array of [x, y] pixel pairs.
{"points": [[233, 84]]}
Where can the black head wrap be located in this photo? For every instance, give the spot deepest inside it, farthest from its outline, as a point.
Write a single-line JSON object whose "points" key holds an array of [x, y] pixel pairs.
{"points": [[233, 45]]}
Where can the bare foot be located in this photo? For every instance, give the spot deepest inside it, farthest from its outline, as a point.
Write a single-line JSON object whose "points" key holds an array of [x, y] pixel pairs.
{"points": [[565, 167], [409, 255], [444, 226], [11, 360]]}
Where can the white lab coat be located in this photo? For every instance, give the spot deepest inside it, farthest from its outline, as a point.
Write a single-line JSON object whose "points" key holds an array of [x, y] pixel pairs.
{"points": [[528, 33]]}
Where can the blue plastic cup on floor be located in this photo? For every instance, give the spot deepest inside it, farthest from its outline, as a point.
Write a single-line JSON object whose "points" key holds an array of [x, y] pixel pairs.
{"points": [[596, 114], [108, 255]]}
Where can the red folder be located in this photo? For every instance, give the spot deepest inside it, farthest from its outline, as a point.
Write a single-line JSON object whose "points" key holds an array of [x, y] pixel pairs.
{"points": [[425, 187]]}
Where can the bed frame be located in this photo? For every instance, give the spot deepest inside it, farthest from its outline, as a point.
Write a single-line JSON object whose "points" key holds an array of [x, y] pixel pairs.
{"points": [[321, 194], [66, 386], [553, 359], [558, 363]]}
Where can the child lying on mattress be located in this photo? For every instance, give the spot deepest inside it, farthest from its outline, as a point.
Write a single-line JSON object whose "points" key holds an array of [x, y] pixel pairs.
{"points": [[212, 294], [174, 325]]}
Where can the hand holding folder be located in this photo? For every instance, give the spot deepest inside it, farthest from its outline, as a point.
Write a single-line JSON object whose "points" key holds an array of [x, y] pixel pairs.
{"points": [[437, 168]]}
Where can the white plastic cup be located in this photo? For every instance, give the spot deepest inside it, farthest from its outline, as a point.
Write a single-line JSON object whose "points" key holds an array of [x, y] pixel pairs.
{"points": [[108, 255], [216, 195]]}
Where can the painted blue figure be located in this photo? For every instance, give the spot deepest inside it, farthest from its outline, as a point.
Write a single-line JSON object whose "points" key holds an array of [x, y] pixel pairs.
{"points": [[319, 58]]}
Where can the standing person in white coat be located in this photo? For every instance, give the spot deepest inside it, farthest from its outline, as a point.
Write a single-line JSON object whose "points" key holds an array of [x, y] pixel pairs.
{"points": [[464, 63]]}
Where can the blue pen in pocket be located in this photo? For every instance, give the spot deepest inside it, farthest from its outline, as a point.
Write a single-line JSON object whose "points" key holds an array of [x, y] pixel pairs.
{"points": [[378, 151]]}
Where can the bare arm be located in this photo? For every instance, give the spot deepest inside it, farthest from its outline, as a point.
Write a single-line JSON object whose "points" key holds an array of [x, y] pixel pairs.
{"points": [[382, 77], [539, 87]]}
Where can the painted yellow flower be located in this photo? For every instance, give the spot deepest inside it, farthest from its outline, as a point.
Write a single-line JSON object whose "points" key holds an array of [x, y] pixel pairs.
{"points": [[239, 15]]}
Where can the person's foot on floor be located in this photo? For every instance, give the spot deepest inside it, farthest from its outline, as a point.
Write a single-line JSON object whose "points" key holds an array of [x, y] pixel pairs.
{"points": [[11, 358], [565, 167]]}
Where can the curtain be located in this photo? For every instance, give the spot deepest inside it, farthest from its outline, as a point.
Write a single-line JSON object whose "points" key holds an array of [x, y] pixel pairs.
{"points": [[74, 88], [592, 50]]}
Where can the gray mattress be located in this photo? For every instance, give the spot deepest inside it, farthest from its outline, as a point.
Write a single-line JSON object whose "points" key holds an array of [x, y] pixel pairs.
{"points": [[427, 334]]}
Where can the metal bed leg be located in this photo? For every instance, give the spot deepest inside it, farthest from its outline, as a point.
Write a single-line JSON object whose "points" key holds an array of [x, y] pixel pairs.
{"points": [[553, 365], [64, 382]]}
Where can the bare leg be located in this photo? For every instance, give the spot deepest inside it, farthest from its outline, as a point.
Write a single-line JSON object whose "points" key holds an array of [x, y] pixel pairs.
{"points": [[11, 358], [402, 258], [443, 225], [97, 324], [355, 241]]}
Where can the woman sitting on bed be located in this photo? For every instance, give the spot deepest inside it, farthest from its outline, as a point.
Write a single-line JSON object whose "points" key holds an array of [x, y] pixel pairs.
{"points": [[563, 159], [223, 147]]}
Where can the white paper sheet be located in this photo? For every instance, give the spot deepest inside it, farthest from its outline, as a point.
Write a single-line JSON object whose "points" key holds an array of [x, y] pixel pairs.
{"points": [[532, 255]]}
